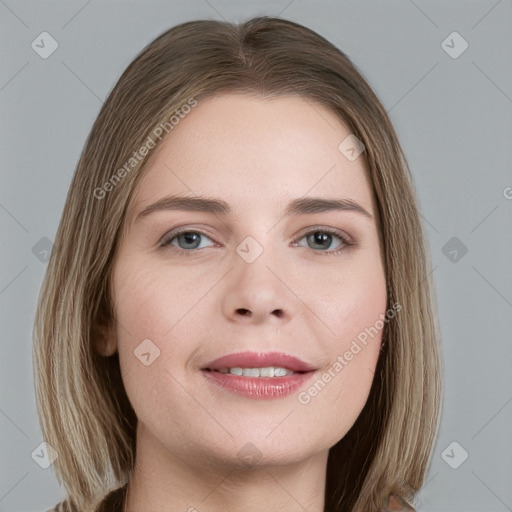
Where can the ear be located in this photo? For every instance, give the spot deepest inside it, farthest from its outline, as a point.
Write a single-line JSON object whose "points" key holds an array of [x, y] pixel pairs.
{"points": [[104, 340]]}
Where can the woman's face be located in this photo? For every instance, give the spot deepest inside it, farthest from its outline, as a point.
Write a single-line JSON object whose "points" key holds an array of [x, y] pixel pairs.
{"points": [[254, 275]]}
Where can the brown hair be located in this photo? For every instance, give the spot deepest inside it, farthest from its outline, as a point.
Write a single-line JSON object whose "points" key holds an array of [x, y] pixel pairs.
{"points": [[84, 412]]}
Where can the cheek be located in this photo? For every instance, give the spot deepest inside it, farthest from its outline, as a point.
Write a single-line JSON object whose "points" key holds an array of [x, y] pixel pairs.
{"points": [[351, 303], [144, 314], [152, 308], [352, 308], [338, 393], [151, 303]]}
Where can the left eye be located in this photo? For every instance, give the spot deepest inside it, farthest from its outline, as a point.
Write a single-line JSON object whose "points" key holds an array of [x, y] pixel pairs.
{"points": [[320, 239]]}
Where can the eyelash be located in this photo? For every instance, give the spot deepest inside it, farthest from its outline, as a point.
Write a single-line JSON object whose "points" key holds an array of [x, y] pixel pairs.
{"points": [[166, 241]]}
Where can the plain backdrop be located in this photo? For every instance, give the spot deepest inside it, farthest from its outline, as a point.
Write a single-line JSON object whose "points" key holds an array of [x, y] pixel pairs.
{"points": [[443, 70]]}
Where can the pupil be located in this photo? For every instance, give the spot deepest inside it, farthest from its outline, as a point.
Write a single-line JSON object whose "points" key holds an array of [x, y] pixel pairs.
{"points": [[190, 238], [321, 238]]}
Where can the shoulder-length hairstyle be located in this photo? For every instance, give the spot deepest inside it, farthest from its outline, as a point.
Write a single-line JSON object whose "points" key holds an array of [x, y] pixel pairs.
{"points": [[84, 412]]}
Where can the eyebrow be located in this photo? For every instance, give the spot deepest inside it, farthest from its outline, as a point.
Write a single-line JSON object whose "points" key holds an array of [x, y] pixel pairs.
{"points": [[301, 206]]}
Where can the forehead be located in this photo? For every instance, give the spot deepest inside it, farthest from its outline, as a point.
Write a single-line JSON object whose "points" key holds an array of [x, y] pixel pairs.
{"points": [[245, 148]]}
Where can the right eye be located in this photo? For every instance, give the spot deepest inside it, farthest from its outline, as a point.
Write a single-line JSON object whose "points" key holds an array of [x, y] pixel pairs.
{"points": [[186, 239]]}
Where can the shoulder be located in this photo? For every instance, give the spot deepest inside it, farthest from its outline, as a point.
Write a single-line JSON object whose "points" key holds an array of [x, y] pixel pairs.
{"points": [[397, 504], [62, 506], [113, 502]]}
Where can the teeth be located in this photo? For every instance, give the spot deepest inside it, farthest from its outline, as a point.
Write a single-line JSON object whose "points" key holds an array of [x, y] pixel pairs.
{"points": [[251, 372], [269, 371]]}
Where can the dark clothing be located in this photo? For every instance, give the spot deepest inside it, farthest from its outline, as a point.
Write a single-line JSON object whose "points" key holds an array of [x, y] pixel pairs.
{"points": [[114, 502]]}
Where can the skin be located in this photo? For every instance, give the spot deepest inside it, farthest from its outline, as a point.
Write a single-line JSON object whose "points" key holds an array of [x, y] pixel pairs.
{"points": [[257, 155]]}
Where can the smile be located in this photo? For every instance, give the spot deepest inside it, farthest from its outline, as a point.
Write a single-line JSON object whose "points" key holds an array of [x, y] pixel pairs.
{"points": [[268, 371]]}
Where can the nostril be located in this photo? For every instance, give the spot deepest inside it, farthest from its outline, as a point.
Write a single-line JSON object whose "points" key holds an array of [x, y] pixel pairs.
{"points": [[243, 311]]}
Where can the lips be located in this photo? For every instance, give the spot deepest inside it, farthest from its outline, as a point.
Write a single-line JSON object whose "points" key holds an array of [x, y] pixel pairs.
{"points": [[260, 360], [262, 386]]}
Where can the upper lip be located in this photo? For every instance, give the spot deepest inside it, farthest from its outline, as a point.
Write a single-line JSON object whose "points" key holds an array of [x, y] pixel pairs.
{"points": [[259, 360]]}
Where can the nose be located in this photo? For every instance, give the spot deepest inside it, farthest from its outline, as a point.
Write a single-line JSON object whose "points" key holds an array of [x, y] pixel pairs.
{"points": [[257, 293]]}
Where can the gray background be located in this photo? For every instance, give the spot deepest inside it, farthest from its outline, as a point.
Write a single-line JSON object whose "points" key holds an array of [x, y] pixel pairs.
{"points": [[453, 116]]}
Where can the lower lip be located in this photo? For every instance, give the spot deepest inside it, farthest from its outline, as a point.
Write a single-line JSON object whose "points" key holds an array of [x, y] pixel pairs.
{"points": [[258, 387]]}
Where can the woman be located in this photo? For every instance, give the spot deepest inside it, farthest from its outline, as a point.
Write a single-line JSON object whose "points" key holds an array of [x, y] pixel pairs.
{"points": [[237, 313]]}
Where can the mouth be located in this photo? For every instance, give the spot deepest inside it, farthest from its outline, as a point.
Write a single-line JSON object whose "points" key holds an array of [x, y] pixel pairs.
{"points": [[265, 372], [257, 375], [255, 364]]}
